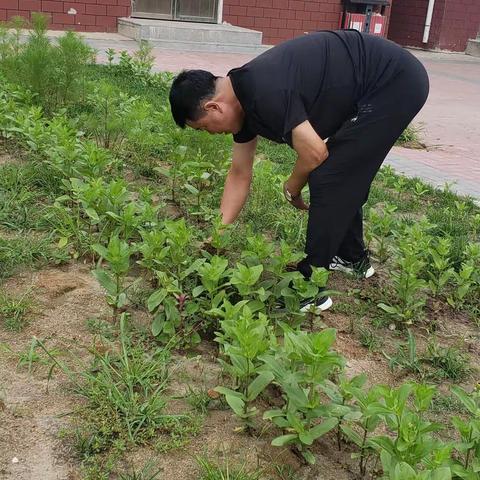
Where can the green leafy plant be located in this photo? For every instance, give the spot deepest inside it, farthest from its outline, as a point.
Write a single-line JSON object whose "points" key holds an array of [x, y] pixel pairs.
{"points": [[299, 366], [360, 430], [411, 443], [117, 254], [409, 289], [173, 171], [380, 226], [243, 340], [468, 468], [174, 313], [439, 270], [464, 280]]}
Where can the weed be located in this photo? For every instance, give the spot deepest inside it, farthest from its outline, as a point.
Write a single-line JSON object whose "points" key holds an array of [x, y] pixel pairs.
{"points": [[406, 357], [178, 430], [147, 472], [199, 399], [35, 355], [448, 363], [285, 472], [130, 388], [14, 310], [55, 73], [447, 403], [97, 326], [27, 252], [212, 471], [370, 339], [410, 138]]}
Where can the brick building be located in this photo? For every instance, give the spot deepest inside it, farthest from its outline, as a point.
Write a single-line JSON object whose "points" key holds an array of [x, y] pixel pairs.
{"points": [[453, 23], [283, 19], [277, 19]]}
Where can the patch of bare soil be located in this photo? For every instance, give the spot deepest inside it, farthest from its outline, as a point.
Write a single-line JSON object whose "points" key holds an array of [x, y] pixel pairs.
{"points": [[32, 418]]}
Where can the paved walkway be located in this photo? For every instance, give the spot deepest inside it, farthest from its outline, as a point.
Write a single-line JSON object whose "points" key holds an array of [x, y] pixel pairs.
{"points": [[450, 120]]}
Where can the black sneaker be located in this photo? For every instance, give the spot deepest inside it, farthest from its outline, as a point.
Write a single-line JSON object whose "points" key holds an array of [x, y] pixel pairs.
{"points": [[308, 305], [361, 268], [315, 306]]}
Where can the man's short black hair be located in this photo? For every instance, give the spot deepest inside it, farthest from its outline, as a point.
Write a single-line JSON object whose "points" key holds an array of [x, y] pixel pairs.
{"points": [[188, 90]]}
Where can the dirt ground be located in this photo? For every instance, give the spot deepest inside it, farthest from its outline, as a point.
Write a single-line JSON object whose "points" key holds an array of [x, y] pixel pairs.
{"points": [[32, 419]]}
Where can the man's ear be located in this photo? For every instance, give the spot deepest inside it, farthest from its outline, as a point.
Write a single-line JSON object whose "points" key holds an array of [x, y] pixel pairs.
{"points": [[211, 106]]}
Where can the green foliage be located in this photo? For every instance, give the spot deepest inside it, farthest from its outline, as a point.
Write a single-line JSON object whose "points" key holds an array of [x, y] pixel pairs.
{"points": [[408, 287], [54, 73], [244, 339], [124, 393], [440, 271], [468, 466], [14, 310], [212, 471], [35, 356], [410, 137], [117, 254], [147, 472], [299, 366], [380, 227]]}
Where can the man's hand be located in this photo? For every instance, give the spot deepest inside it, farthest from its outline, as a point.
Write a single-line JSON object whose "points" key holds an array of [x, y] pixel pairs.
{"points": [[295, 200], [311, 153], [237, 183]]}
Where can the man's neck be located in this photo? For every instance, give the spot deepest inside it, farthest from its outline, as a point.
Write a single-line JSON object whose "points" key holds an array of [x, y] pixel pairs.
{"points": [[226, 93]]}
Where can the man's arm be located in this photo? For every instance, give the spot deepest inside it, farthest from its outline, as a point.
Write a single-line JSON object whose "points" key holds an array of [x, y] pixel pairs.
{"points": [[237, 183], [311, 152]]}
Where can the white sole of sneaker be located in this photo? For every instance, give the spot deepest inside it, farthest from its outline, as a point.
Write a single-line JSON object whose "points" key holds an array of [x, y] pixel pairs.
{"points": [[318, 308], [340, 268]]}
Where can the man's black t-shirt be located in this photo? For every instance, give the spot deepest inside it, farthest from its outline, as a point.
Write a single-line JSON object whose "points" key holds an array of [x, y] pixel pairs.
{"points": [[320, 77]]}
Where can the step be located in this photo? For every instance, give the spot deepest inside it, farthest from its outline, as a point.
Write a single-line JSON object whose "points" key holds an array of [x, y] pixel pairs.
{"points": [[473, 47], [202, 37]]}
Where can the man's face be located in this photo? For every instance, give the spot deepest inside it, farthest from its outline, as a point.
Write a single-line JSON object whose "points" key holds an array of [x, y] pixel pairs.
{"points": [[218, 117]]}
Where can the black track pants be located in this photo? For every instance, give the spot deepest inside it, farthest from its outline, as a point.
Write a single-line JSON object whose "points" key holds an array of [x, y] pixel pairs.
{"points": [[340, 186]]}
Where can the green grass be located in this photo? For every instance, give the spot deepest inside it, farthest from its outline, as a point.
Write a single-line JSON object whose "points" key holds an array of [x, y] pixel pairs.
{"points": [[447, 404], [410, 137], [448, 362], [125, 403], [14, 310], [28, 251], [198, 399], [34, 356], [25, 190], [147, 472], [212, 471], [370, 339]]}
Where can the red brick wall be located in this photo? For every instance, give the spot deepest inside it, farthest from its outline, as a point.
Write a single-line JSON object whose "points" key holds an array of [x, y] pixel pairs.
{"points": [[453, 23], [461, 21], [91, 15], [283, 19]]}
